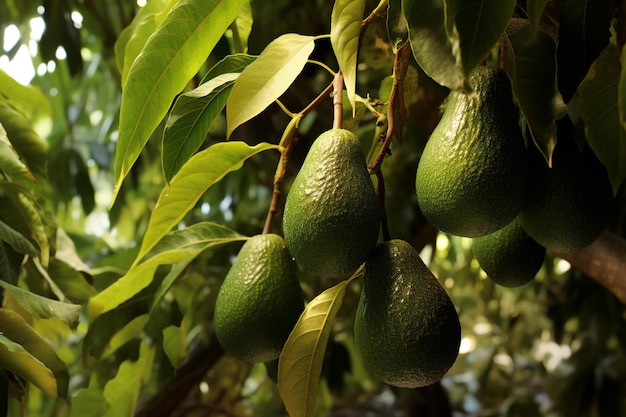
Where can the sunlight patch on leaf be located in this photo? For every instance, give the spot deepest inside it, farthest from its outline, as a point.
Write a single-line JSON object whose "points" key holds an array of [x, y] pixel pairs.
{"points": [[267, 78], [302, 357]]}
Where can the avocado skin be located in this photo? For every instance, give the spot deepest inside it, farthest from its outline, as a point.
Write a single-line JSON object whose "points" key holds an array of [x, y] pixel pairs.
{"points": [[331, 218], [259, 301], [509, 256], [473, 174], [406, 328], [568, 205]]}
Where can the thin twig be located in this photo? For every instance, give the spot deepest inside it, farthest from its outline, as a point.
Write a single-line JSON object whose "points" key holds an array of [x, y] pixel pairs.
{"points": [[338, 101], [381, 205]]}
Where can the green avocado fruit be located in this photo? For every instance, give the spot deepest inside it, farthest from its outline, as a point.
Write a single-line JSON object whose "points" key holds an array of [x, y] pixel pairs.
{"points": [[472, 176], [509, 256], [259, 301], [568, 204], [331, 218], [406, 329]]}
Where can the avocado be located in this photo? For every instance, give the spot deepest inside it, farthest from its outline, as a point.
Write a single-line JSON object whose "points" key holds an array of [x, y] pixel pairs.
{"points": [[568, 204], [259, 301], [331, 218], [406, 329], [472, 176], [509, 256]]}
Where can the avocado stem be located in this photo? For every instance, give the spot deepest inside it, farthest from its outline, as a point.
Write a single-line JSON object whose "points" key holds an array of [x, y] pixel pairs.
{"points": [[338, 101]]}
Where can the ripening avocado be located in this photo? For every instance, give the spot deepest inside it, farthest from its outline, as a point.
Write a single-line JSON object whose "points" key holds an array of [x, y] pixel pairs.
{"points": [[472, 176], [509, 256], [259, 301], [331, 218], [406, 329], [568, 204]]}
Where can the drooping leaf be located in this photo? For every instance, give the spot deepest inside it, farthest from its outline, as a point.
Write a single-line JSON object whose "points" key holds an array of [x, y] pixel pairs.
{"points": [[70, 280], [122, 392], [397, 28], [345, 30], [195, 177], [16, 359], [583, 34], [478, 24], [531, 64], [174, 344], [15, 328], [43, 307], [33, 217], [171, 56], [194, 112], [28, 99], [301, 360], [267, 78], [18, 241], [89, 402], [431, 46], [535, 10], [599, 103], [24, 139], [131, 331], [242, 27], [176, 247]]}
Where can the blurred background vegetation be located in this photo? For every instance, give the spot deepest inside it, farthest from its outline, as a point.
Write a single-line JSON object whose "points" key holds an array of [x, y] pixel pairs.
{"points": [[554, 347]]}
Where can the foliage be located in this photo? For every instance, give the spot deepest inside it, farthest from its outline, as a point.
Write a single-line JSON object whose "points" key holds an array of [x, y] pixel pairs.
{"points": [[152, 140]]}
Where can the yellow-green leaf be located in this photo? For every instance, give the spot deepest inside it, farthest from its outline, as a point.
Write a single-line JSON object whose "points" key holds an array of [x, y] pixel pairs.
{"points": [[345, 30], [16, 359], [267, 78], [300, 363]]}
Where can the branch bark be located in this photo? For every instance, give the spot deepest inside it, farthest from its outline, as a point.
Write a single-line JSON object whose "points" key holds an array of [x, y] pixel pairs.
{"points": [[604, 261]]}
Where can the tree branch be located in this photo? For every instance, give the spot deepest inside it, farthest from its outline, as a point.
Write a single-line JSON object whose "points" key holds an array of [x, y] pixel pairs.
{"points": [[604, 261]]}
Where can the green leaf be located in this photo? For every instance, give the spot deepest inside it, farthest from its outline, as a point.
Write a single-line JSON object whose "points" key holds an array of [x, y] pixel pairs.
{"points": [[195, 111], [397, 27], [170, 58], [122, 392], [43, 307], [535, 10], [432, 49], [301, 360], [267, 78], [201, 172], [89, 402], [10, 162], [70, 281], [345, 30], [34, 218], [174, 344], [15, 328], [18, 241], [131, 331], [176, 247], [242, 27], [475, 26], [600, 103], [28, 99], [24, 139], [16, 359], [531, 65]]}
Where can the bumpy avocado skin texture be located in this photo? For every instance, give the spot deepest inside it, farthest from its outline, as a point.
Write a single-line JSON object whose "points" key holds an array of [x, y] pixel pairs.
{"points": [[472, 175], [406, 328], [568, 204], [331, 217], [509, 256], [259, 301]]}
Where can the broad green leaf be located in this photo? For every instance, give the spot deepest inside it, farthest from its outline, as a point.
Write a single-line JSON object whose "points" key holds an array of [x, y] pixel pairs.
{"points": [[535, 10], [29, 146], [43, 307], [131, 331], [599, 104], [174, 344], [531, 65], [267, 78], [10, 163], [34, 219], [194, 112], [476, 26], [397, 28], [15, 328], [28, 99], [242, 27], [176, 247], [431, 47], [89, 402], [301, 360], [16, 359], [195, 177], [345, 30], [122, 392], [70, 281], [170, 58], [18, 241]]}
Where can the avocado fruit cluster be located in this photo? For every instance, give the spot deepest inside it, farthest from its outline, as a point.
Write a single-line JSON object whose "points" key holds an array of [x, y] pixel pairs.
{"points": [[478, 178]]}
